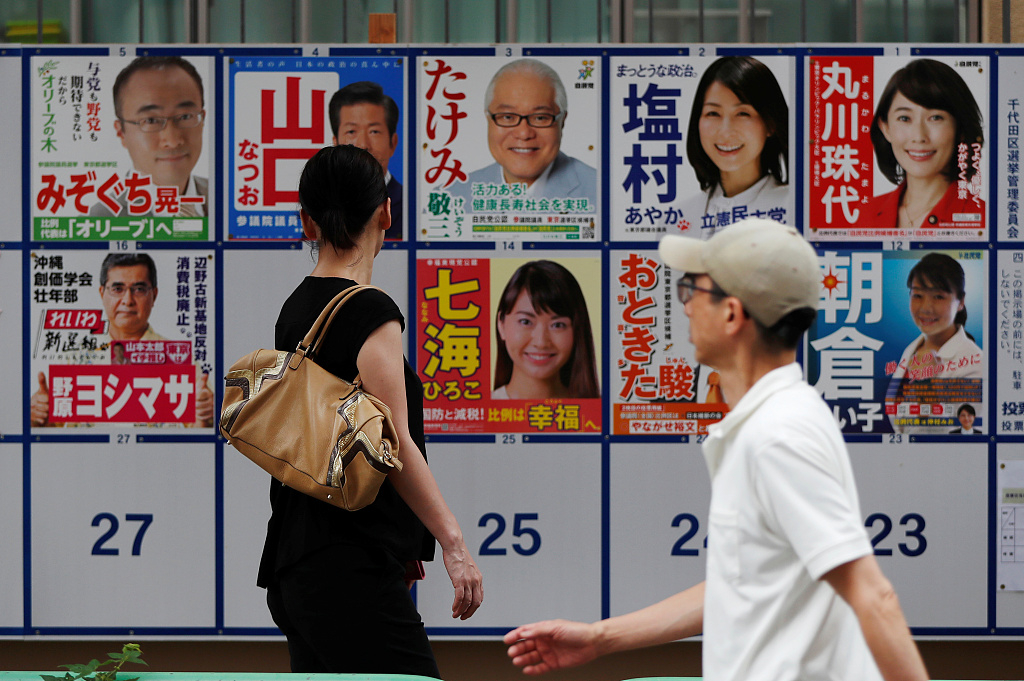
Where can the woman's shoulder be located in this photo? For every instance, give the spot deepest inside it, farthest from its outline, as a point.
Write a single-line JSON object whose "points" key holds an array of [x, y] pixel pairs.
{"points": [[313, 294], [881, 210]]}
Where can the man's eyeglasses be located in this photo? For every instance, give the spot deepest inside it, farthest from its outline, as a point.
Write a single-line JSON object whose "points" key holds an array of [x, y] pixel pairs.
{"points": [[537, 120], [138, 290], [158, 123], [685, 288]]}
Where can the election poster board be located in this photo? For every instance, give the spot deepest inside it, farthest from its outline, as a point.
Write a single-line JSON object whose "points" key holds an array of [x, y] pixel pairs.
{"points": [[905, 172], [135, 169], [691, 155], [114, 346], [612, 407], [872, 352], [534, 179], [277, 109]]}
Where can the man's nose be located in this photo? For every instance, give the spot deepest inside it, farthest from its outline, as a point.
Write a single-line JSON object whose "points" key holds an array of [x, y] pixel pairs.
{"points": [[361, 140], [171, 135]]}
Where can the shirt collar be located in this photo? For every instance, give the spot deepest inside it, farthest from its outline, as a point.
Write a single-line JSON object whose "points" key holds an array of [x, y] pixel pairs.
{"points": [[766, 386]]}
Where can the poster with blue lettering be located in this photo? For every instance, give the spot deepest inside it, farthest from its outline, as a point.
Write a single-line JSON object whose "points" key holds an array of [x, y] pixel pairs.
{"points": [[510, 147], [698, 143], [1010, 111], [1008, 307], [898, 344], [283, 109]]}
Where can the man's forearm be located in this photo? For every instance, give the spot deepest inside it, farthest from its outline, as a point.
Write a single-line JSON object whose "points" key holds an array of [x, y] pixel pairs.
{"points": [[678, 616]]}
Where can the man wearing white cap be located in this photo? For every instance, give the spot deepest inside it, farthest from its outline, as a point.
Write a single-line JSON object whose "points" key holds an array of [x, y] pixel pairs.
{"points": [[793, 590]]}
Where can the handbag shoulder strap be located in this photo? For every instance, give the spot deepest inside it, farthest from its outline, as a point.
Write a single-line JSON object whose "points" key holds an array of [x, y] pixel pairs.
{"points": [[317, 332]]}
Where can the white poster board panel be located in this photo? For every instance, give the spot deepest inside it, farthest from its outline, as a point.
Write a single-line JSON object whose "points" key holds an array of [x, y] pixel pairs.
{"points": [[531, 517], [134, 524], [10, 338], [660, 495], [10, 145], [12, 581], [246, 512], [256, 284], [1009, 602], [925, 510]]}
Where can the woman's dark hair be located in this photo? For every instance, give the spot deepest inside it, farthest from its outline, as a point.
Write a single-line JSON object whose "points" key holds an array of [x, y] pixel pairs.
{"points": [[552, 289], [340, 188], [940, 271], [932, 85], [753, 83]]}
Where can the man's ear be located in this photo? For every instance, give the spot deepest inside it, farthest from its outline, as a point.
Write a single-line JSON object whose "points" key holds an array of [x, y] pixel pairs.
{"points": [[119, 129]]}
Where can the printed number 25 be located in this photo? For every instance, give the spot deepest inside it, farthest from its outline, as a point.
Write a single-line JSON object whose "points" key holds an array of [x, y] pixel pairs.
{"points": [[488, 548]]}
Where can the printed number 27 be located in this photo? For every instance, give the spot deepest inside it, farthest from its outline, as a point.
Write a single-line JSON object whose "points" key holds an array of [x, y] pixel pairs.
{"points": [[98, 549]]}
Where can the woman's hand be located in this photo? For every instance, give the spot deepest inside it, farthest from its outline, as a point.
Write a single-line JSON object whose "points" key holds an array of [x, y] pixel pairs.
{"points": [[466, 579]]}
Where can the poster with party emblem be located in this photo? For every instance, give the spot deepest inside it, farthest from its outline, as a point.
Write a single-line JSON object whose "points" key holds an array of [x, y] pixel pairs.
{"points": [[510, 147]]}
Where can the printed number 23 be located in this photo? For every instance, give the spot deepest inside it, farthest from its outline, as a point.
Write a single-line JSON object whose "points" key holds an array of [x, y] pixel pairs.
{"points": [[98, 549], [518, 530], [916, 533]]}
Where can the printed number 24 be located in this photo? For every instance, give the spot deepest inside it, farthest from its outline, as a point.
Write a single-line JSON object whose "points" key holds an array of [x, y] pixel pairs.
{"points": [[487, 548]]}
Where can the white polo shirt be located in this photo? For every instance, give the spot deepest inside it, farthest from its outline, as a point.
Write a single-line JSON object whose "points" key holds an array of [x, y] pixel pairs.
{"points": [[784, 512]]}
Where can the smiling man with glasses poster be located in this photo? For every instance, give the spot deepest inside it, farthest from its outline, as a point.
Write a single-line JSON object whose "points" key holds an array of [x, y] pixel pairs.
{"points": [[526, 109], [160, 113]]}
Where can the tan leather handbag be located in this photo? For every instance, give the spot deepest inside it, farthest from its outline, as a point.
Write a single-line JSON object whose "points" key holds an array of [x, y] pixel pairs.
{"points": [[313, 431]]}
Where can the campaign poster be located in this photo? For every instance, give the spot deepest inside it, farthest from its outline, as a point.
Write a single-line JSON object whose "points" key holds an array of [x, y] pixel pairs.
{"points": [[121, 338], [283, 109], [1009, 311], [134, 168], [1010, 109], [897, 148], [899, 342], [657, 385], [537, 176], [698, 143], [509, 345]]}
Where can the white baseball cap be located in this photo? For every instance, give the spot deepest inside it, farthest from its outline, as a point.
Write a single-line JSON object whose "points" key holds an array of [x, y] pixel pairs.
{"points": [[767, 265]]}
